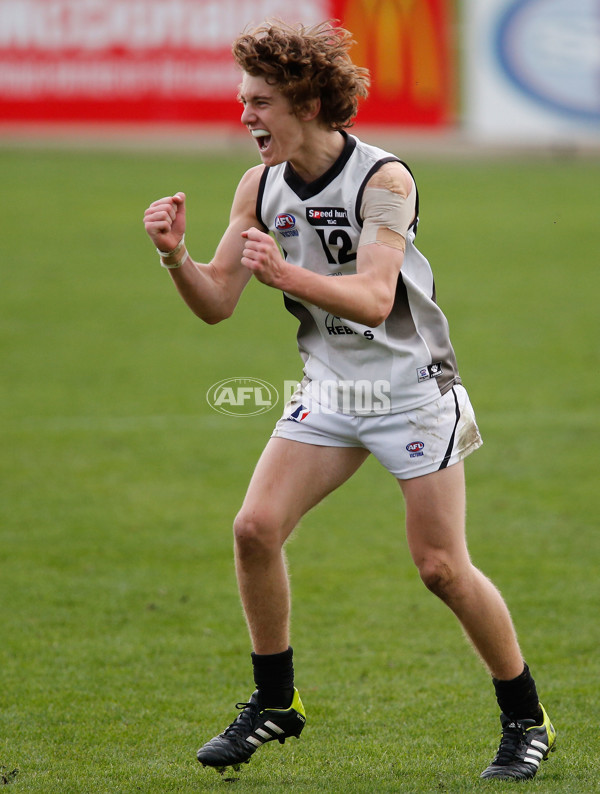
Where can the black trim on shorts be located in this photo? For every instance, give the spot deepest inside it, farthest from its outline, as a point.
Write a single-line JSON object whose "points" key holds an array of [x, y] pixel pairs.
{"points": [[448, 454]]}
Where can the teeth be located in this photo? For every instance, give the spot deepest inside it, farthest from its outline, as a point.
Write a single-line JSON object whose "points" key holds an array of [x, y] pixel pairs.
{"points": [[259, 133]]}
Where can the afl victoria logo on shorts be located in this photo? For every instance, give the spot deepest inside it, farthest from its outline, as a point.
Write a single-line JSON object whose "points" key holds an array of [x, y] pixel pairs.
{"points": [[415, 449]]}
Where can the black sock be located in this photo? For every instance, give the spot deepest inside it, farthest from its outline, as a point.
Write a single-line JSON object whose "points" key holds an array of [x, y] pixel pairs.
{"points": [[518, 698], [274, 678]]}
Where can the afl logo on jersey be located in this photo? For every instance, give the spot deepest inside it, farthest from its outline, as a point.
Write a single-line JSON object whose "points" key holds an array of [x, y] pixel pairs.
{"points": [[284, 222], [285, 225]]}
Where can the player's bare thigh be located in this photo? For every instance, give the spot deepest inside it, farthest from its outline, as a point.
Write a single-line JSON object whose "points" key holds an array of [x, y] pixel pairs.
{"points": [[291, 477], [435, 515]]}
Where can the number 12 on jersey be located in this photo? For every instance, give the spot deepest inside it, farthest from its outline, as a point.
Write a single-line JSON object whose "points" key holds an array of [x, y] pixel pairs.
{"points": [[337, 239]]}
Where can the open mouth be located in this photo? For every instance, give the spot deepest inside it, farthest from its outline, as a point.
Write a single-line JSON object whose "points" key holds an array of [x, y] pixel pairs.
{"points": [[263, 138]]}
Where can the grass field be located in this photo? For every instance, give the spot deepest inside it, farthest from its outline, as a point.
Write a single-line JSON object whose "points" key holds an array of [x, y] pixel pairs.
{"points": [[122, 644]]}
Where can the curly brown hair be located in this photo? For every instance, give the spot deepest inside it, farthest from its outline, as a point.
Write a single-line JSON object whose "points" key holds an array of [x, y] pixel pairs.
{"points": [[306, 63]]}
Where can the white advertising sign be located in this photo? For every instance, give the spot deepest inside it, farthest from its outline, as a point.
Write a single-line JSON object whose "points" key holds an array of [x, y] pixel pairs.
{"points": [[532, 70]]}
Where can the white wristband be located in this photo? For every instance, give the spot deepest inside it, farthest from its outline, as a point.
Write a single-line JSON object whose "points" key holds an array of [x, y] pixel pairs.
{"points": [[176, 250], [174, 265]]}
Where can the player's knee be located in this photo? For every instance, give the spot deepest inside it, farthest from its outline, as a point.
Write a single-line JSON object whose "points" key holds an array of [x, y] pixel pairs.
{"points": [[438, 576], [255, 533]]}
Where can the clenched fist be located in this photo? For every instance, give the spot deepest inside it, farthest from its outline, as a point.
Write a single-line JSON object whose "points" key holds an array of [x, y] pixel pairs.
{"points": [[165, 221], [261, 257]]}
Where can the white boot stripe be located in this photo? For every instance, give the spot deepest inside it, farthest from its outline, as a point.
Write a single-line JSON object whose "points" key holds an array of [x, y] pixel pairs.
{"points": [[253, 740], [543, 746], [272, 727], [535, 753], [264, 734]]}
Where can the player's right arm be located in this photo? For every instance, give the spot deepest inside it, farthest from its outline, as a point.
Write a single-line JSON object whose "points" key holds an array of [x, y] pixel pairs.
{"points": [[211, 290]]}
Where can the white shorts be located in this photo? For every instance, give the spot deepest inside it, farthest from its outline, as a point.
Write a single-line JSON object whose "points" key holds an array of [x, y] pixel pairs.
{"points": [[408, 444]]}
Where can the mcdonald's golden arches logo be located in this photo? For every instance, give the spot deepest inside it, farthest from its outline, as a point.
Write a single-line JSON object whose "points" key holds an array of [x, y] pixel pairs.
{"points": [[404, 45]]}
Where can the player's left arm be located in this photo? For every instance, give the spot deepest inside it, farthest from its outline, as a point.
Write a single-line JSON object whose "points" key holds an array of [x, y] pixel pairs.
{"points": [[366, 297]]}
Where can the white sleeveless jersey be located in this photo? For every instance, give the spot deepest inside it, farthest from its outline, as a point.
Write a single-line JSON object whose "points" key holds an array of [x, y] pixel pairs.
{"points": [[405, 362]]}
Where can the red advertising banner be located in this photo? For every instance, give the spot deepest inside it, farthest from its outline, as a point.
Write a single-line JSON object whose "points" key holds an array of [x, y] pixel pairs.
{"points": [[169, 61], [407, 47]]}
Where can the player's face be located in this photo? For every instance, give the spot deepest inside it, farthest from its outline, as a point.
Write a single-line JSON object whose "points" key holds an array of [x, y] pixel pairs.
{"points": [[269, 117]]}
